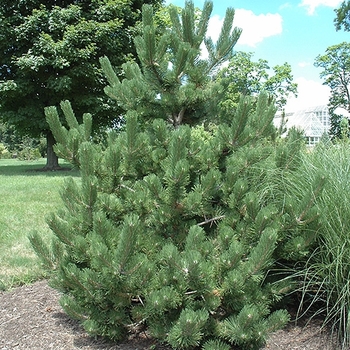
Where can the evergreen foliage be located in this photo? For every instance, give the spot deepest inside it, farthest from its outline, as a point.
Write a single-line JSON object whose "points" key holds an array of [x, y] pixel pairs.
{"points": [[68, 140], [173, 81], [178, 233], [174, 227]]}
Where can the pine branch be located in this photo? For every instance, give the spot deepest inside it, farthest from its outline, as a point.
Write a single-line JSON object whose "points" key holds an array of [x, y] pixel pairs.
{"points": [[109, 72], [204, 21], [208, 221], [42, 250], [128, 188], [69, 114], [188, 23], [60, 132]]}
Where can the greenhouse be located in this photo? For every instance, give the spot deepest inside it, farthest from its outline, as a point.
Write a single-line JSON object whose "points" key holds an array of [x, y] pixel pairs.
{"points": [[313, 121]]}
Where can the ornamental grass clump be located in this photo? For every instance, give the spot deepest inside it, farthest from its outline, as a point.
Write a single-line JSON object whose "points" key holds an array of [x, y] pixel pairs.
{"points": [[326, 276]]}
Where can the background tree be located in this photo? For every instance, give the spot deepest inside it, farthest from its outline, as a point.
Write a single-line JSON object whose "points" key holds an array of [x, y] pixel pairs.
{"points": [[244, 76], [342, 19], [49, 52], [336, 74]]}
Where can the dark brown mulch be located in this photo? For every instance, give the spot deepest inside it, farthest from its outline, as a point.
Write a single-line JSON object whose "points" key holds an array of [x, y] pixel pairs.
{"points": [[31, 318]]}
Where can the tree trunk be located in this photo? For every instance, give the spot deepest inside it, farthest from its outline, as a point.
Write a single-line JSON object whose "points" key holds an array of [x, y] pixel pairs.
{"points": [[51, 157], [177, 119]]}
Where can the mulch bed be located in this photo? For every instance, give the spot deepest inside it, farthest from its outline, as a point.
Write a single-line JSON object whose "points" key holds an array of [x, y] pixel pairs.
{"points": [[31, 318]]}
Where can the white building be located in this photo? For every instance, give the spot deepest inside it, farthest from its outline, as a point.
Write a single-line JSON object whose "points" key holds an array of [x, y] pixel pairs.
{"points": [[314, 121]]}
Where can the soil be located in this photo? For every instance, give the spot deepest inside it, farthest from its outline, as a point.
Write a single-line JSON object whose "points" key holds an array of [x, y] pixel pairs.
{"points": [[31, 318]]}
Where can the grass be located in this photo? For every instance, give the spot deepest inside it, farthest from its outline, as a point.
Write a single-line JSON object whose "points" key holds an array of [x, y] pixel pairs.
{"points": [[327, 274], [27, 196]]}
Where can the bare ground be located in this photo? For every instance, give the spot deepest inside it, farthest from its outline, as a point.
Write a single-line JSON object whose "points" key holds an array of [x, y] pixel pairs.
{"points": [[31, 318]]}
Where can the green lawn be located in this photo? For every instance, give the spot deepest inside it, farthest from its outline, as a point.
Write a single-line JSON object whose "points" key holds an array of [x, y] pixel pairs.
{"points": [[27, 196]]}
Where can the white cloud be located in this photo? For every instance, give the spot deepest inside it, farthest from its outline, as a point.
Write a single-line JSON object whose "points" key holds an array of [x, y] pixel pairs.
{"points": [[255, 27], [214, 27], [304, 64], [342, 111], [311, 5], [310, 94], [286, 5]]}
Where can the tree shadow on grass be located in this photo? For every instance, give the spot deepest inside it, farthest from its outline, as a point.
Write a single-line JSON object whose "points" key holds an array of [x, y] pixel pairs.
{"points": [[33, 168]]}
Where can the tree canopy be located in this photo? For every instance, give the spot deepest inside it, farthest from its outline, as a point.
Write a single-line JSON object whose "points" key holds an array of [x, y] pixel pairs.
{"points": [[49, 52], [336, 74], [244, 76], [342, 19]]}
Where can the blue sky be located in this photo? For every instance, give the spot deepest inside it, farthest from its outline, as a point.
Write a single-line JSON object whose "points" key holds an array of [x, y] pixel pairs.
{"points": [[294, 31]]}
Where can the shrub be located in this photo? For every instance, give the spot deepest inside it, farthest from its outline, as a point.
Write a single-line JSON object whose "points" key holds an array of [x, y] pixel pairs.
{"points": [[173, 228], [30, 149], [28, 153], [15, 145], [4, 153], [178, 230]]}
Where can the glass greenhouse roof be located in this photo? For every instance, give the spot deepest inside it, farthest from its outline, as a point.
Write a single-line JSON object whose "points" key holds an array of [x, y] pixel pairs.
{"points": [[313, 121]]}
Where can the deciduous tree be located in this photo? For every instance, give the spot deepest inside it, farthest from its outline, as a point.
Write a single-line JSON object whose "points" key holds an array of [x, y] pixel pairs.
{"points": [[244, 76], [336, 74], [49, 52], [342, 20]]}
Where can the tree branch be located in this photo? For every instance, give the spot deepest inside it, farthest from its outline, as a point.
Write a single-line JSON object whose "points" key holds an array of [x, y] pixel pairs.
{"points": [[208, 221]]}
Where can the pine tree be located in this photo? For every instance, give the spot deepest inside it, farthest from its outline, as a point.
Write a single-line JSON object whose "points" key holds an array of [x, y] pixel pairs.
{"points": [[177, 232], [173, 80], [176, 228]]}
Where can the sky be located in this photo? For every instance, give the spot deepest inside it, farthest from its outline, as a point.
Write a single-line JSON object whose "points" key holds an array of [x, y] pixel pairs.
{"points": [[279, 31]]}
